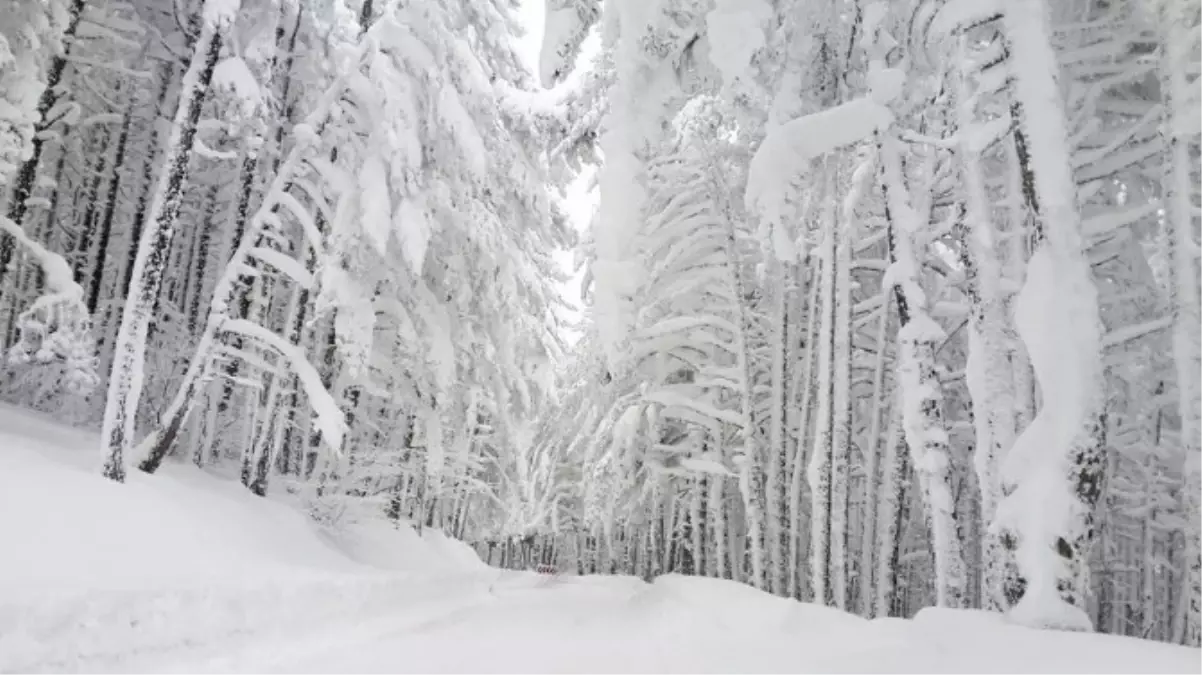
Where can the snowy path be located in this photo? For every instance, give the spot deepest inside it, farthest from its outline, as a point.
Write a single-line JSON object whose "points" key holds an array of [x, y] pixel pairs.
{"points": [[519, 623], [525, 624], [498, 622]]}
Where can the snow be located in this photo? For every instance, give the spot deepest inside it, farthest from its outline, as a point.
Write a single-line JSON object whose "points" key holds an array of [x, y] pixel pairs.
{"points": [[1057, 317], [957, 14], [735, 29], [110, 547], [1062, 345], [234, 76], [565, 28], [463, 129], [695, 625], [184, 571], [330, 419], [375, 202], [219, 13], [885, 84], [414, 231], [291, 267], [304, 134], [644, 82], [60, 278], [705, 465], [101, 575], [786, 152]]}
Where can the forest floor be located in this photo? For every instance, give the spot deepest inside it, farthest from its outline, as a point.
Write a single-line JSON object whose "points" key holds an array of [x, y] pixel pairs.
{"points": [[187, 572]]}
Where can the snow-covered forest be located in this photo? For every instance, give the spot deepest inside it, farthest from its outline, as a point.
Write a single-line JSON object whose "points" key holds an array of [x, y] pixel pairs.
{"points": [[875, 304]]}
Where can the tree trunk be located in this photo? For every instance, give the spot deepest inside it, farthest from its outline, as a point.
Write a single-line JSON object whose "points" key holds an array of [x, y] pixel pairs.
{"points": [[1057, 317], [819, 472], [988, 372], [796, 564], [777, 450], [125, 382], [1180, 32], [841, 431], [872, 486], [892, 514], [26, 177], [918, 379]]}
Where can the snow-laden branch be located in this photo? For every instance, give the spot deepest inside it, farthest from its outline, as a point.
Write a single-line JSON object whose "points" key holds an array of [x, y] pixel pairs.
{"points": [[150, 452], [959, 16], [1121, 336], [56, 325], [329, 417], [668, 397], [59, 277], [786, 152], [285, 263]]}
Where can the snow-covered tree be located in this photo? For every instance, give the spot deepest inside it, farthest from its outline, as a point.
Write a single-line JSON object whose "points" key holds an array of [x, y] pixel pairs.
{"points": [[887, 304]]}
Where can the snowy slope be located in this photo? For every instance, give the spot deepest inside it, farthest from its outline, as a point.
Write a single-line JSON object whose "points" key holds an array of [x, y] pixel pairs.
{"points": [[96, 575], [186, 572]]}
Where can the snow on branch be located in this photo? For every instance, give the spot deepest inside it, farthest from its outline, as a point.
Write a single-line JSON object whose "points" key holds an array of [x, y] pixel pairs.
{"points": [[566, 25], [56, 325], [290, 266], [285, 199], [668, 397], [59, 277], [786, 152], [329, 417], [958, 16], [221, 12], [1121, 336]]}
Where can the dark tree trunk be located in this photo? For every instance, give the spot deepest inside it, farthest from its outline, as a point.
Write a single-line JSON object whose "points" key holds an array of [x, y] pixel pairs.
{"points": [[123, 398], [26, 177], [148, 166], [110, 208], [87, 227]]}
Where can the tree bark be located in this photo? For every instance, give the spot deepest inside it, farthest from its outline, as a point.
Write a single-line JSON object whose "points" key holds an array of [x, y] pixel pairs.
{"points": [[125, 382], [1180, 29]]}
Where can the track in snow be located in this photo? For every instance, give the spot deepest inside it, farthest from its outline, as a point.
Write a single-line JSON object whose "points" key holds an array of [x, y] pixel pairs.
{"points": [[520, 624]]}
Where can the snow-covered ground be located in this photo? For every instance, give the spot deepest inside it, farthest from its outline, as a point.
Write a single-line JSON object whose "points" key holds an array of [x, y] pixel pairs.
{"points": [[183, 571]]}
